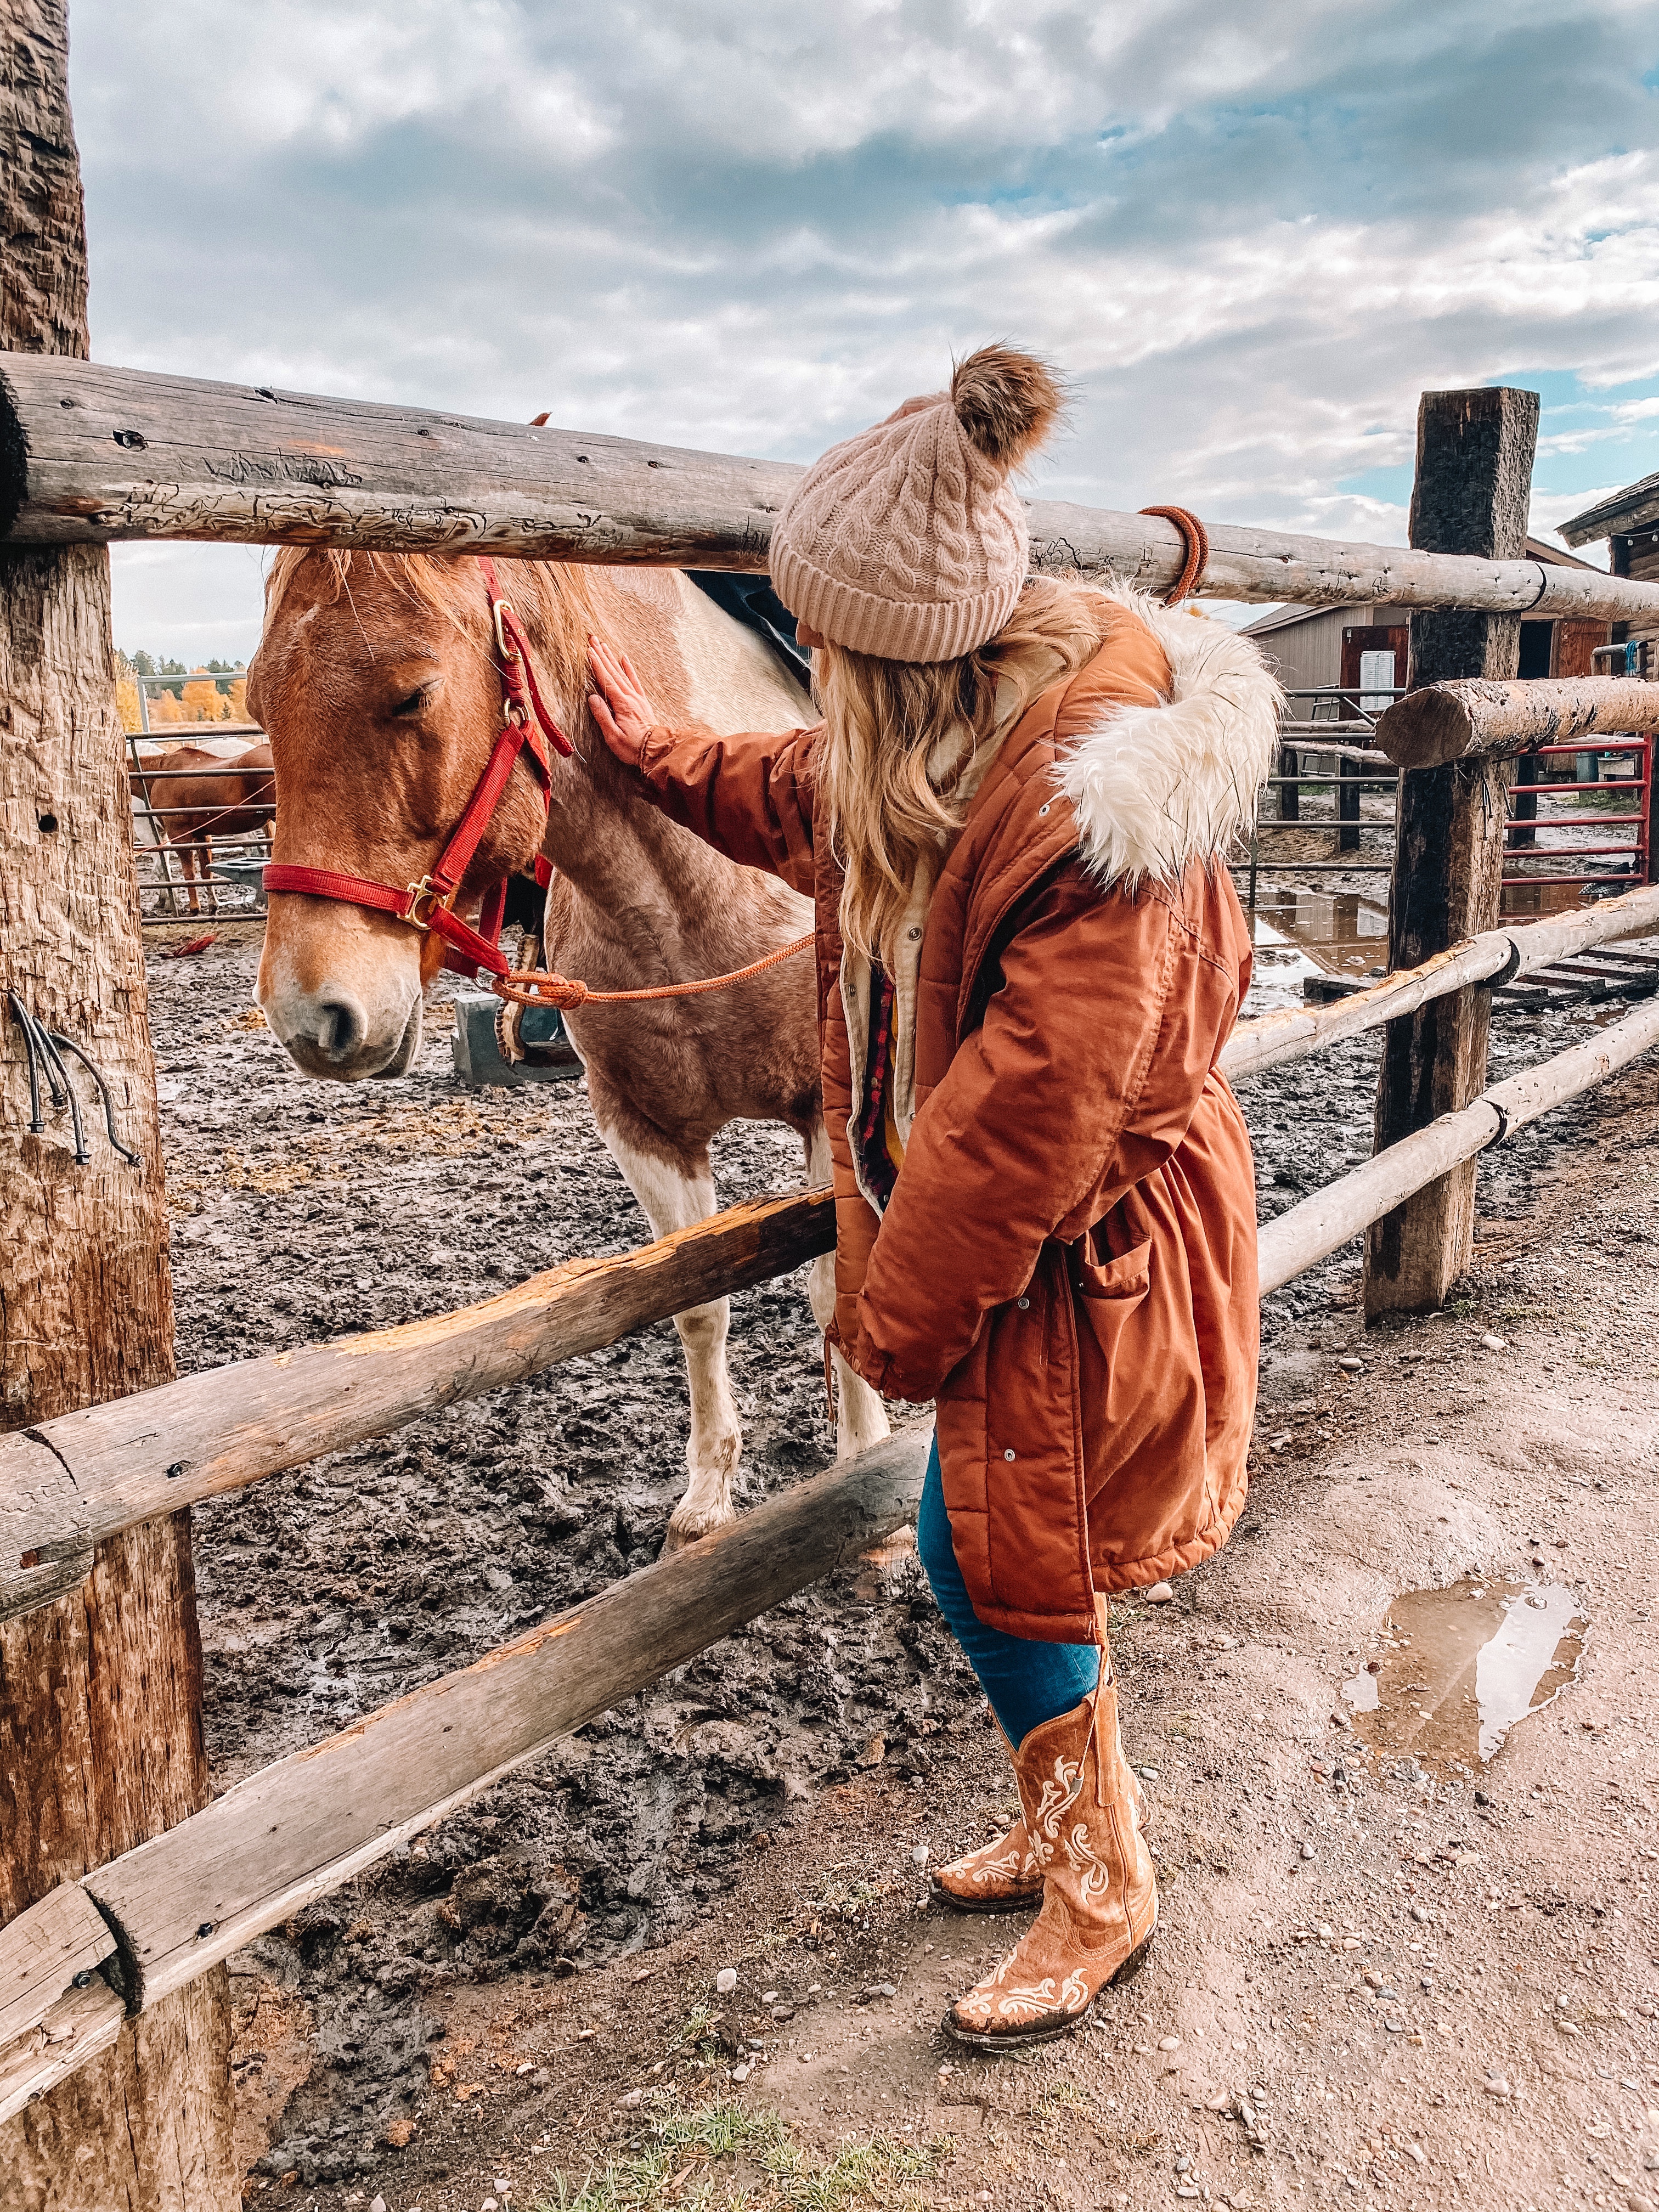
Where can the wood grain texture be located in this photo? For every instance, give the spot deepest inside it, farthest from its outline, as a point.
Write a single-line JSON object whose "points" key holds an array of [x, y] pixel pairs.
{"points": [[74, 1480], [1470, 495], [134, 455], [302, 1826], [42, 1951], [1494, 720], [74, 2030], [99, 1690]]}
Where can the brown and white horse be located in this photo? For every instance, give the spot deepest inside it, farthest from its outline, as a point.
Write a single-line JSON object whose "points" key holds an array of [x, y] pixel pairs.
{"points": [[375, 685]]}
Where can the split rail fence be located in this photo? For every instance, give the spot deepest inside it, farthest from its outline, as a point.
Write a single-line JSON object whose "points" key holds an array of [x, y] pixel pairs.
{"points": [[74, 1965], [89, 454]]}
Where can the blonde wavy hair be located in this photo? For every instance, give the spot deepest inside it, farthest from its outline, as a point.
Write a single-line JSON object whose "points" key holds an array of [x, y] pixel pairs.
{"points": [[905, 745]]}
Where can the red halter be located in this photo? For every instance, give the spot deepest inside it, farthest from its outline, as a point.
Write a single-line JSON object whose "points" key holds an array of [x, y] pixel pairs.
{"points": [[429, 904]]}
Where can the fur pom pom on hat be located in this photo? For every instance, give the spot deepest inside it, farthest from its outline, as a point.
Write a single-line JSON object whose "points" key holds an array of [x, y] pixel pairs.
{"points": [[908, 541]]}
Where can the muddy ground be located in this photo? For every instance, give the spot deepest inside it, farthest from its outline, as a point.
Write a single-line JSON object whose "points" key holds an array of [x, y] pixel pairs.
{"points": [[520, 2006]]}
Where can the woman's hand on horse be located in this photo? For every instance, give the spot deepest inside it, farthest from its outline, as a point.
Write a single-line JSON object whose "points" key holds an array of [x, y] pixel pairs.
{"points": [[623, 716]]}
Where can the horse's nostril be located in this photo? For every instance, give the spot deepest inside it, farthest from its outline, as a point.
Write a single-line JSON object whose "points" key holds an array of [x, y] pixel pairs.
{"points": [[341, 1029]]}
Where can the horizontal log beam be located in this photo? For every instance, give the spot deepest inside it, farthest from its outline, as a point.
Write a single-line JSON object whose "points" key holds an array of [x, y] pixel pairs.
{"points": [[92, 453], [72, 1481], [1321, 1224], [300, 1828], [1479, 718], [1504, 953]]}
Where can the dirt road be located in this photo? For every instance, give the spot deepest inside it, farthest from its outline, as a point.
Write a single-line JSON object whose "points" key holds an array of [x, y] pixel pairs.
{"points": [[1404, 1973]]}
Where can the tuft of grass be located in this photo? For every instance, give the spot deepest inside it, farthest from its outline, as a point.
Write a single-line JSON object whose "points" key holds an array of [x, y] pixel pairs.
{"points": [[781, 2177]]}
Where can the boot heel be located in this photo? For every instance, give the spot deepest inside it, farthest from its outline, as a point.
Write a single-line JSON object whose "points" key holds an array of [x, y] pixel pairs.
{"points": [[1131, 1966]]}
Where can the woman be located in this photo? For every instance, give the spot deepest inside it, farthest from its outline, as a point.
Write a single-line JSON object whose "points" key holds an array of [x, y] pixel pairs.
{"points": [[1030, 954]]}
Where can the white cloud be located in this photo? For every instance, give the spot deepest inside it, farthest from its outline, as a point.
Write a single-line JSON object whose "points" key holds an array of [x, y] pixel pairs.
{"points": [[1252, 240]]}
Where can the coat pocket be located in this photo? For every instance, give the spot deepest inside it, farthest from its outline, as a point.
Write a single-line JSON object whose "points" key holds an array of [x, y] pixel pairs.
{"points": [[1109, 1292]]}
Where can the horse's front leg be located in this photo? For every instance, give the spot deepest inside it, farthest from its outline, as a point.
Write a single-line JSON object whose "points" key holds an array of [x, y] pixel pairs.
{"points": [[860, 1419], [674, 1190]]}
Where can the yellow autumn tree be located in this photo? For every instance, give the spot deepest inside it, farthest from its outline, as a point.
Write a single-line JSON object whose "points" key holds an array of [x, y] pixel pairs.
{"points": [[203, 701]]}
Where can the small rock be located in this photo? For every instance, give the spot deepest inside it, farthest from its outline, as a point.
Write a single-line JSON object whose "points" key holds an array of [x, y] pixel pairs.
{"points": [[378, 2205], [631, 2098], [1160, 1594], [1307, 1850], [1420, 1915], [741, 2073], [1416, 2152], [489, 2205], [726, 1981], [877, 1989], [501, 2185], [1169, 2043], [1147, 1773], [1496, 2085], [1183, 2164], [771, 1998], [396, 2134], [1494, 1344], [919, 1854], [1352, 1366]]}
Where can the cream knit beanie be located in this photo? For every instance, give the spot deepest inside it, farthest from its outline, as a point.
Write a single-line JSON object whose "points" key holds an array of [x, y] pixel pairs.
{"points": [[908, 542]]}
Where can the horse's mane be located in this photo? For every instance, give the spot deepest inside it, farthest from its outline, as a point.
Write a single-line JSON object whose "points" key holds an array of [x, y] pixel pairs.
{"points": [[553, 599]]}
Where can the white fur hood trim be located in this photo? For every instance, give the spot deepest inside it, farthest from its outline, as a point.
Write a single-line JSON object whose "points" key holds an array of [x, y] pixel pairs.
{"points": [[1154, 789]]}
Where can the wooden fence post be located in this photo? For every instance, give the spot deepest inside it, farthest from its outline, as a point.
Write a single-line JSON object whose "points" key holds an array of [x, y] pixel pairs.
{"points": [[1475, 455], [101, 1732]]}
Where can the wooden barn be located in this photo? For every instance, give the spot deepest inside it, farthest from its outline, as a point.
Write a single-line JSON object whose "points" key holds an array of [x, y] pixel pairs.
{"points": [[1630, 523], [1354, 649]]}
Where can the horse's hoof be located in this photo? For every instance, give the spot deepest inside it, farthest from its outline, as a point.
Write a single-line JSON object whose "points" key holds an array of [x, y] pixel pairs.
{"points": [[685, 1530]]}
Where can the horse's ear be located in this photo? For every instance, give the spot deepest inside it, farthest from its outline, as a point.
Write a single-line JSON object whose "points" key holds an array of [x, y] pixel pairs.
{"points": [[536, 421]]}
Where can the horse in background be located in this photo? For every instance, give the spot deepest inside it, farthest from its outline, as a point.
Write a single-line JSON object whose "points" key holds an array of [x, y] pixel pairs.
{"points": [[191, 810], [375, 682]]}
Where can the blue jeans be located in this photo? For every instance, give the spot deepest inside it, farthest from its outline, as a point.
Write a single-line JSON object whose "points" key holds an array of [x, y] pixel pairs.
{"points": [[1027, 1682]]}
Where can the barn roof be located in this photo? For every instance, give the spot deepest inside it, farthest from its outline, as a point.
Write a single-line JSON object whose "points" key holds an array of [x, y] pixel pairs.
{"points": [[1633, 508]]}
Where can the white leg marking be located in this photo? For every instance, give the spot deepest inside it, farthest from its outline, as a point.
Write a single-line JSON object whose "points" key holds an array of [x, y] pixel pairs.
{"points": [[674, 1199], [860, 1419]]}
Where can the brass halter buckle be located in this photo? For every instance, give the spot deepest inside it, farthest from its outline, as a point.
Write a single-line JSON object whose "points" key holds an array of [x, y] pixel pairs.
{"points": [[425, 890]]}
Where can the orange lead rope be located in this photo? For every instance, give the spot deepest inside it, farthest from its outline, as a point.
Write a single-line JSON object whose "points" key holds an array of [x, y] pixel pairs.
{"points": [[533, 987]]}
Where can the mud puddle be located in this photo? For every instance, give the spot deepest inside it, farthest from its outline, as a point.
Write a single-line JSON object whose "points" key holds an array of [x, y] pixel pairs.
{"points": [[1460, 1666], [1300, 934]]}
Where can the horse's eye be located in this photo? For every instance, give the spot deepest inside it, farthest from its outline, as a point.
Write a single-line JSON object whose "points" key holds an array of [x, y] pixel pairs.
{"points": [[415, 701]]}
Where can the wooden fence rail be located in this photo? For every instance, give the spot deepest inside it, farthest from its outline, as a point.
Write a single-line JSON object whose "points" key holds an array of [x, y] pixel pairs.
{"points": [[1478, 718], [178, 1904], [69, 1483], [92, 453]]}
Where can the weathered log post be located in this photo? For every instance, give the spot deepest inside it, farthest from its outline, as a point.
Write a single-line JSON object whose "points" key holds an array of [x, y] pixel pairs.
{"points": [[100, 1736], [1475, 455]]}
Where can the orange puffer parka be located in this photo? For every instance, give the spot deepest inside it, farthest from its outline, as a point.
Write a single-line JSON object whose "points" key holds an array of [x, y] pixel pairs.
{"points": [[1066, 1262]]}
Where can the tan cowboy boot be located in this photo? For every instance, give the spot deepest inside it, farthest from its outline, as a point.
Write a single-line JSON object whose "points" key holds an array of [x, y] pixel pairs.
{"points": [[1006, 1875], [1099, 1897], [1001, 1877]]}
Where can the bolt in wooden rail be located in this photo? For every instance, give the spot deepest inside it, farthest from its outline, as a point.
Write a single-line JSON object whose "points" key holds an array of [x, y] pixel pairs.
{"points": [[90, 453], [70, 1482], [298, 1828]]}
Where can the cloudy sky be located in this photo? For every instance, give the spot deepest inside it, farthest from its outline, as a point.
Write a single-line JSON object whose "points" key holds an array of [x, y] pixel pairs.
{"points": [[1251, 236]]}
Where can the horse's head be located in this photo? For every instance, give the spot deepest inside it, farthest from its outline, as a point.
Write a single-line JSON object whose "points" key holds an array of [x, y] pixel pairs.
{"points": [[375, 685]]}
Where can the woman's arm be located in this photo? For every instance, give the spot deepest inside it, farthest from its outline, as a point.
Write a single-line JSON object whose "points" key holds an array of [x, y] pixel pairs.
{"points": [[749, 796], [1081, 1081]]}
